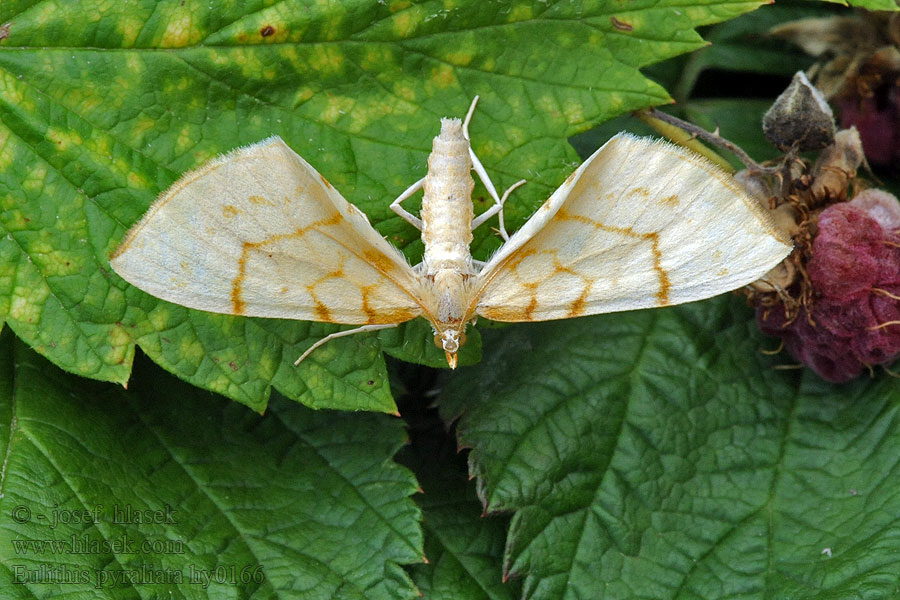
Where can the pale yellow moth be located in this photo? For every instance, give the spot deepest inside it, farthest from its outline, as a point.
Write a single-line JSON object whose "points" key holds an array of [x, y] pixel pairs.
{"points": [[259, 232]]}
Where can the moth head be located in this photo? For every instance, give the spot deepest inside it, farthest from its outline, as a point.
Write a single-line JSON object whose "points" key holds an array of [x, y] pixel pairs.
{"points": [[450, 340]]}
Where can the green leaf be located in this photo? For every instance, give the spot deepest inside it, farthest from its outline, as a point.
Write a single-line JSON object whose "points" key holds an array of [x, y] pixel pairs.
{"points": [[464, 547], [868, 4], [663, 457], [743, 46], [105, 104], [296, 504]]}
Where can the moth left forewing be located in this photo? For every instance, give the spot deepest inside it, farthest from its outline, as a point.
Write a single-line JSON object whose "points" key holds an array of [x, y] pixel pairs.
{"points": [[258, 232], [639, 224]]}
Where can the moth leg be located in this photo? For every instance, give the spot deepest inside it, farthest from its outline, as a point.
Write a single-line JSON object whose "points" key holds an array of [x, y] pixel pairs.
{"points": [[476, 164], [497, 209], [506, 194], [402, 212], [338, 334]]}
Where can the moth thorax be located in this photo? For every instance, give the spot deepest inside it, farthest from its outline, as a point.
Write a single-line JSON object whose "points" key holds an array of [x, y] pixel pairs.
{"points": [[447, 256], [450, 293]]}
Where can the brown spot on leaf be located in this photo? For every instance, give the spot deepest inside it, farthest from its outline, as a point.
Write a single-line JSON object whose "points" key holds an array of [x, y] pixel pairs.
{"points": [[673, 200], [229, 211], [260, 200], [620, 25], [4, 30], [267, 31]]}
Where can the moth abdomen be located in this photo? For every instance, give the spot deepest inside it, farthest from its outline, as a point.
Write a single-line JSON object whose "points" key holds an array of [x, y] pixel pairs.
{"points": [[447, 205]]}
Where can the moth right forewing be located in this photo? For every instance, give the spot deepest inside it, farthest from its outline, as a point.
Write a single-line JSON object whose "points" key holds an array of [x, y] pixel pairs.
{"points": [[639, 224]]}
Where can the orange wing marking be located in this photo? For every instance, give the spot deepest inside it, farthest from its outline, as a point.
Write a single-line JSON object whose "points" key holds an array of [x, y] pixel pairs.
{"points": [[371, 314], [639, 191], [260, 200], [397, 315], [577, 307], [322, 312], [325, 182], [532, 304], [514, 261], [237, 304], [379, 260], [578, 304], [653, 237]]}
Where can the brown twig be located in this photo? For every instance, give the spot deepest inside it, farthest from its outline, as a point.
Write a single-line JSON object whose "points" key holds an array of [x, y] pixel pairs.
{"points": [[712, 138]]}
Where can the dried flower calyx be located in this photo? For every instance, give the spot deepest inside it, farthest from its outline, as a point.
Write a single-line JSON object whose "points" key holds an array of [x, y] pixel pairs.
{"points": [[799, 118]]}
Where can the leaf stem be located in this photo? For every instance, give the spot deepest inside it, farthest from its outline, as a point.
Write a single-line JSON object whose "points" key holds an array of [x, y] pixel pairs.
{"points": [[710, 137]]}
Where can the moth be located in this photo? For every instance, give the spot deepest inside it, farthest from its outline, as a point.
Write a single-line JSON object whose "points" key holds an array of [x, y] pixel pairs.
{"points": [[259, 232]]}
